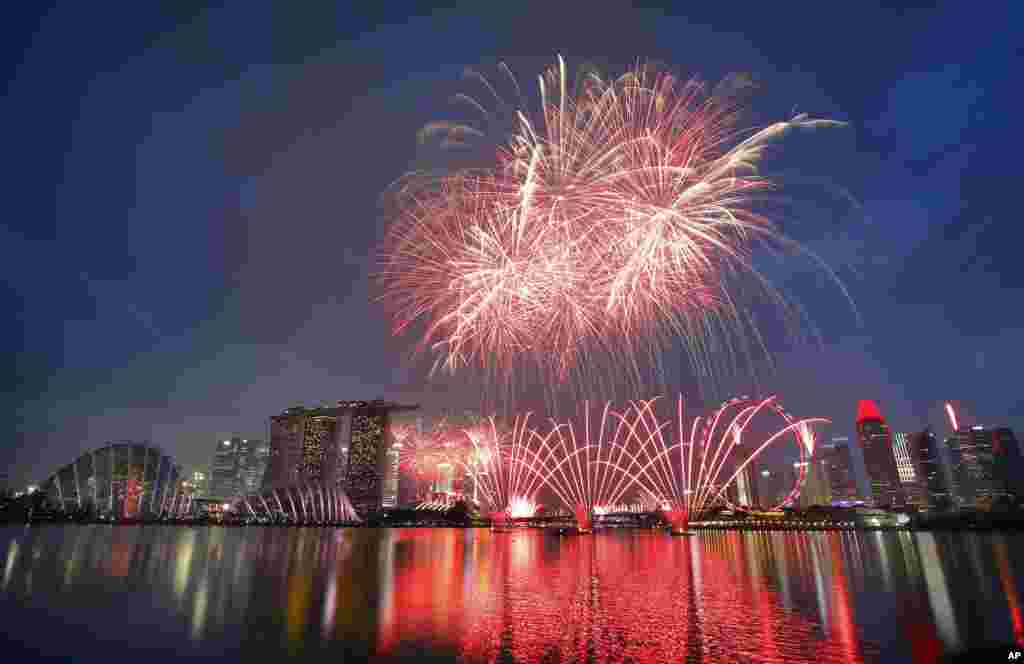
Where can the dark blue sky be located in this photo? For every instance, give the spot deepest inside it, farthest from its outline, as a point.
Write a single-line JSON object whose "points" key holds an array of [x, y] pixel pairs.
{"points": [[192, 199]]}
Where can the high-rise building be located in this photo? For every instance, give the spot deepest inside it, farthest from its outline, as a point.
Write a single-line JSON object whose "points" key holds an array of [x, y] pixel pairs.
{"points": [[253, 465], [776, 485], [200, 482], [933, 475], [1007, 471], [344, 446], [224, 469], [237, 468], [817, 489], [745, 488], [879, 460], [982, 462], [909, 471], [839, 463], [391, 476]]}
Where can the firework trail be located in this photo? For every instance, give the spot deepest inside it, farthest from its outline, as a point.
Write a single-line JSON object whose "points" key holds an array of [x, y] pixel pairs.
{"points": [[621, 218], [682, 470], [503, 467], [711, 454]]}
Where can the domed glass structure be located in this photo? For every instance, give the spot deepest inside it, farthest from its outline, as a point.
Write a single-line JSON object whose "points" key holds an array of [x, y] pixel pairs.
{"points": [[122, 480]]}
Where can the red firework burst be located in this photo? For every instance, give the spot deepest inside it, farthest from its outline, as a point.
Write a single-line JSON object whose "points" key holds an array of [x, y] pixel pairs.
{"points": [[622, 218]]}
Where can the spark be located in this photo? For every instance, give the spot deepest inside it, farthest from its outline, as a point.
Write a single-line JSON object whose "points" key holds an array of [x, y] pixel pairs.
{"points": [[620, 219]]}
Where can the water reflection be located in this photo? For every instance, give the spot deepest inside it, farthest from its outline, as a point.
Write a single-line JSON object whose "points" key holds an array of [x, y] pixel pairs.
{"points": [[475, 595]]}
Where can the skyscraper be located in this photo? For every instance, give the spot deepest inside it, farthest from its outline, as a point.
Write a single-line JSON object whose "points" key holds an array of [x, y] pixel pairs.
{"points": [[224, 469], [879, 459], [909, 471], [934, 477], [1007, 471], [200, 481], [745, 488], [237, 468], [955, 472], [344, 446], [253, 465], [391, 476], [817, 489], [983, 462], [839, 464]]}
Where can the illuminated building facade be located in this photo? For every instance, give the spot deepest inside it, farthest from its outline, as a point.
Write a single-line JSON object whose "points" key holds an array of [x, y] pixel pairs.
{"points": [[1008, 475], [879, 459], [817, 489], [253, 465], [199, 480], [237, 468], [120, 480], [347, 446], [839, 463], [391, 476], [984, 463], [933, 475], [909, 473], [743, 492]]}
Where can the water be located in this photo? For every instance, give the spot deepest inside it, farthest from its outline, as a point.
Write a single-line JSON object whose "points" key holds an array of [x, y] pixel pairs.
{"points": [[103, 593]]}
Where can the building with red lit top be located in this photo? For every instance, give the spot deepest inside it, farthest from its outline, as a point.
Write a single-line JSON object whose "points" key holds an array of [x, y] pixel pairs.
{"points": [[879, 457]]}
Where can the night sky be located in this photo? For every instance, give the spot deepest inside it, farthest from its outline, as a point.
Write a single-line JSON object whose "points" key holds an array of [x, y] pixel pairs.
{"points": [[192, 202]]}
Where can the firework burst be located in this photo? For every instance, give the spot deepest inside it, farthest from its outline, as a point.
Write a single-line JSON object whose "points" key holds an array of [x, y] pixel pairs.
{"points": [[623, 217]]}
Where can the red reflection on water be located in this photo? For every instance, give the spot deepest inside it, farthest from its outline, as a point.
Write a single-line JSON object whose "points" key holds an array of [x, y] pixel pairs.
{"points": [[843, 627], [639, 597], [1010, 588]]}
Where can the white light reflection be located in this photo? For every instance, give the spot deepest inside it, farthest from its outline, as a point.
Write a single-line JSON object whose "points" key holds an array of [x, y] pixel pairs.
{"points": [[199, 610], [12, 557], [938, 591], [778, 545], [386, 562], [184, 564], [883, 560], [819, 580]]}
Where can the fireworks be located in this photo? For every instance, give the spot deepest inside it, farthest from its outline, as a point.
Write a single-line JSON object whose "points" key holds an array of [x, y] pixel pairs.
{"points": [[684, 473], [503, 467], [630, 461], [622, 218]]}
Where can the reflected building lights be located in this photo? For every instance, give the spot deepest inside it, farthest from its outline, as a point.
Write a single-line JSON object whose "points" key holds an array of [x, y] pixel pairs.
{"points": [[782, 569], [843, 627], [474, 595], [12, 558], [199, 609], [183, 567], [387, 582], [938, 591], [820, 581], [883, 557], [1009, 584]]}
